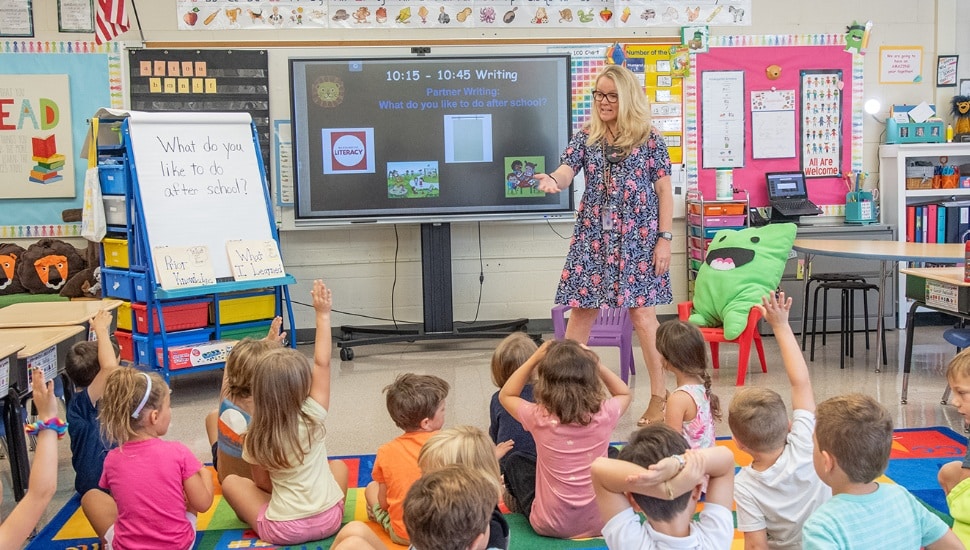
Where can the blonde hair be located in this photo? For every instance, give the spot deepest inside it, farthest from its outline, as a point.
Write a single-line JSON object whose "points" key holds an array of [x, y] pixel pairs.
{"points": [[281, 384], [241, 364], [858, 432], [465, 445], [124, 392], [567, 383], [683, 348], [758, 419], [959, 366], [633, 124], [509, 355]]}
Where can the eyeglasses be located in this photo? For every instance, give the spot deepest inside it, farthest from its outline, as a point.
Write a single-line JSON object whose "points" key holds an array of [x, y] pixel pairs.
{"points": [[611, 97]]}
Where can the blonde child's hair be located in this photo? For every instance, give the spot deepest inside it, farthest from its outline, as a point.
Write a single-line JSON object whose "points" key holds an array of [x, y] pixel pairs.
{"points": [[509, 355], [683, 348], [959, 366], [449, 508], [633, 119], [127, 402], [241, 365], [567, 382], [281, 384], [858, 432], [758, 419], [465, 445]]}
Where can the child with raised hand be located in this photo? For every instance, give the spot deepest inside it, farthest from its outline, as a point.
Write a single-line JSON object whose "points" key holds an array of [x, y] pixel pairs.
{"points": [[780, 489], [506, 432], [692, 408], [88, 365], [658, 472], [471, 447], [853, 439], [571, 421], [226, 426], [953, 475], [156, 486], [296, 494], [43, 472]]}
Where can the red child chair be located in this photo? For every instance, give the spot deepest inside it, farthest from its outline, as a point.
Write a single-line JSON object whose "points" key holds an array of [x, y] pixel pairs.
{"points": [[715, 336], [612, 327]]}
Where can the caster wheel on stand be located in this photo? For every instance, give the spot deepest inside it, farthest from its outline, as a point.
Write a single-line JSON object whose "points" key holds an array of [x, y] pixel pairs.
{"points": [[346, 354]]}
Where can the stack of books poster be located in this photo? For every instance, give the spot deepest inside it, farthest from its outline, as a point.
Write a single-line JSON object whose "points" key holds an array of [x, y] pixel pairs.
{"points": [[48, 160]]}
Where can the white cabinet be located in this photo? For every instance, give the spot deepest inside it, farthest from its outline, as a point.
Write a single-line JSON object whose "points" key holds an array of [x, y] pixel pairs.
{"points": [[894, 198]]}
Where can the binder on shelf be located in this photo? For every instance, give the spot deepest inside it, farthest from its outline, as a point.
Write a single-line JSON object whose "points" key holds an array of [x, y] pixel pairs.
{"points": [[910, 224], [930, 223], [941, 224]]}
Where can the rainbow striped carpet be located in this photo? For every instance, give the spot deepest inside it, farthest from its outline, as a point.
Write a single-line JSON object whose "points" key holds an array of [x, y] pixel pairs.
{"points": [[916, 457]]}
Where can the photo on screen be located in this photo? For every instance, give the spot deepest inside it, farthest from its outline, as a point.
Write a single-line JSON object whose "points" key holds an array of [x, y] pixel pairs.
{"points": [[520, 174], [413, 180]]}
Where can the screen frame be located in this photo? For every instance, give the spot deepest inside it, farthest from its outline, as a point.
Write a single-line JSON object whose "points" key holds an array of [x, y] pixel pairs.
{"points": [[563, 209]]}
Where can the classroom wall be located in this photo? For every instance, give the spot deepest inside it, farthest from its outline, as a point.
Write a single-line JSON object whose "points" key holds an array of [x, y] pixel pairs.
{"points": [[521, 262]]}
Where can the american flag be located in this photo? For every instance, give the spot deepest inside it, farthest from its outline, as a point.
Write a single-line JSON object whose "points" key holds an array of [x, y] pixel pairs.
{"points": [[110, 20]]}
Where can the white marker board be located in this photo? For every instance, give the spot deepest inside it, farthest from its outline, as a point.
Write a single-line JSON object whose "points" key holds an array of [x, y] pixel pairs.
{"points": [[199, 181]]}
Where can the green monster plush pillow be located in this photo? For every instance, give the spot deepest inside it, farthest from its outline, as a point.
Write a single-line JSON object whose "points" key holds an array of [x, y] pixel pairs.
{"points": [[740, 268]]}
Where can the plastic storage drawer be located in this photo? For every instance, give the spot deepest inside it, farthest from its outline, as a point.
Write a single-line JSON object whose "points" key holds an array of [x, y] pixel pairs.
{"points": [[114, 178], [250, 308], [115, 210], [125, 345], [127, 285], [124, 317], [239, 331], [718, 221], [115, 252], [729, 209], [697, 253], [144, 356], [177, 316]]}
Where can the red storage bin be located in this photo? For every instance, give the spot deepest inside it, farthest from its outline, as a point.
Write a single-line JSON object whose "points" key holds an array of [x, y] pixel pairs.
{"points": [[125, 345], [178, 316]]}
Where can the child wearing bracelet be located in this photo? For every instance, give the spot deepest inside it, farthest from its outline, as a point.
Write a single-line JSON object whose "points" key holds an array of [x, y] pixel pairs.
{"points": [[665, 480], [43, 472]]}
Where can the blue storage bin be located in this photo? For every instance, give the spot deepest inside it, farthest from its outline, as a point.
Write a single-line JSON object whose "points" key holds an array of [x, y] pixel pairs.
{"points": [[139, 286], [145, 356], [114, 178], [117, 284]]}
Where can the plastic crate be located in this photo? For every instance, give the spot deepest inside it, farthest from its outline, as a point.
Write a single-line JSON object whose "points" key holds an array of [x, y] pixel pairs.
{"points": [[177, 316], [255, 330], [124, 321], [115, 209], [116, 284], [144, 356], [114, 178], [115, 252], [125, 345], [250, 308]]}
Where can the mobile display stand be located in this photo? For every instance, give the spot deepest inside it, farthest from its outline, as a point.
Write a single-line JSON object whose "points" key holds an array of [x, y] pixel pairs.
{"points": [[196, 182], [437, 299]]}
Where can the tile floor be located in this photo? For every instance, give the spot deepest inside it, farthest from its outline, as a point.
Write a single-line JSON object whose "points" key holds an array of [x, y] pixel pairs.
{"points": [[359, 421]]}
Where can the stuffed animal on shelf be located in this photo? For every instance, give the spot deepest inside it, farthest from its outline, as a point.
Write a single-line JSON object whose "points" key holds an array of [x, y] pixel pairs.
{"points": [[961, 114], [47, 265]]}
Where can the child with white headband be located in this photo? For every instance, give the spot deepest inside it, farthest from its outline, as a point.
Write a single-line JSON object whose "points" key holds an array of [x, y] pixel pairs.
{"points": [[156, 487]]}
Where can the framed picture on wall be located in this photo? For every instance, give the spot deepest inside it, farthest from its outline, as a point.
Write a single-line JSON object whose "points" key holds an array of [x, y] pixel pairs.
{"points": [[946, 70], [17, 20], [695, 38], [965, 86], [75, 16]]}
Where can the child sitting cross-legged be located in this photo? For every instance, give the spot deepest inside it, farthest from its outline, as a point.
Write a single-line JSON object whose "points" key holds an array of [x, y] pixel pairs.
{"points": [[953, 476], [780, 489], [853, 438], [665, 480], [416, 403]]}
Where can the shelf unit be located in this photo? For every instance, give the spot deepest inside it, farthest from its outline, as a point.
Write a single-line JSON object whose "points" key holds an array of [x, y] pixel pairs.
{"points": [[154, 320], [894, 198], [704, 219]]}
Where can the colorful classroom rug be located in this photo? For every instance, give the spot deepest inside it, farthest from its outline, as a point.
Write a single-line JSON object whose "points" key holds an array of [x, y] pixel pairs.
{"points": [[917, 456]]}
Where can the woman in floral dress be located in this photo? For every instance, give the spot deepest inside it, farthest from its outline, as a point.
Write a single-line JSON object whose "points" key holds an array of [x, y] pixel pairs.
{"points": [[620, 251]]}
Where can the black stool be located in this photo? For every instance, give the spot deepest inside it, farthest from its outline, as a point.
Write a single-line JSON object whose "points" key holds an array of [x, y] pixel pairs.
{"points": [[824, 278], [847, 288]]}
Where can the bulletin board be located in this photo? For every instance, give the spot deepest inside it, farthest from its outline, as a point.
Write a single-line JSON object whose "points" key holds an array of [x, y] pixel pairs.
{"points": [[93, 75], [813, 106]]}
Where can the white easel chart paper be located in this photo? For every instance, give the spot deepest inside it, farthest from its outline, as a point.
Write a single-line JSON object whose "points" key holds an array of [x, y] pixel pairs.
{"points": [[255, 260], [183, 266]]}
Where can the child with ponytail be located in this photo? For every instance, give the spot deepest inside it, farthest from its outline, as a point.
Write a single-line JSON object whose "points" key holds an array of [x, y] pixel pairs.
{"points": [[692, 408]]}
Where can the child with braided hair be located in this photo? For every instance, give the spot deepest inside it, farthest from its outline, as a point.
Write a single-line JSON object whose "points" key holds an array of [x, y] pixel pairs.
{"points": [[692, 408]]}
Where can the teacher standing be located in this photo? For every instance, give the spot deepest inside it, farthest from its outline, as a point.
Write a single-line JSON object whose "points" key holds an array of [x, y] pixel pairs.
{"points": [[620, 251]]}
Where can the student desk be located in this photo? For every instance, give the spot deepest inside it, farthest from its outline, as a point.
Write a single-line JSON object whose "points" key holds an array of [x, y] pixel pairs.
{"points": [[53, 314], [938, 288], [887, 252], [44, 347]]}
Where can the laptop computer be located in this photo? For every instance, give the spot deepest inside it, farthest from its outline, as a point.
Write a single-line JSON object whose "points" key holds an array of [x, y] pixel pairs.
{"points": [[788, 196]]}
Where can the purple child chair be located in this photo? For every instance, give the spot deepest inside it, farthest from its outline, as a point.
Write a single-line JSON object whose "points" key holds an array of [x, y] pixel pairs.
{"points": [[612, 327]]}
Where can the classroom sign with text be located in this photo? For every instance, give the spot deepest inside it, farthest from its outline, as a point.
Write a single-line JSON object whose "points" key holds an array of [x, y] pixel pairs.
{"points": [[255, 260]]}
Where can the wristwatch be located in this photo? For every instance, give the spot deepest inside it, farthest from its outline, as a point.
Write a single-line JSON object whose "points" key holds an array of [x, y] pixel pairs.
{"points": [[666, 235]]}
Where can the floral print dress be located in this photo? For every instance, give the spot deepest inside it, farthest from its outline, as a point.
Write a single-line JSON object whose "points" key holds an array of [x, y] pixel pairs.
{"points": [[613, 267]]}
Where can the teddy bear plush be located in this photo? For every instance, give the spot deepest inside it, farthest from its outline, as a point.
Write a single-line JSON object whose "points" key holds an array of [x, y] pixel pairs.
{"points": [[740, 268], [10, 256], [47, 265]]}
